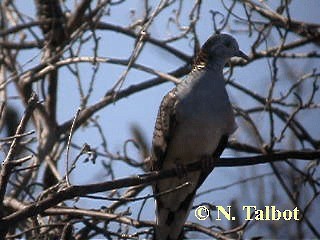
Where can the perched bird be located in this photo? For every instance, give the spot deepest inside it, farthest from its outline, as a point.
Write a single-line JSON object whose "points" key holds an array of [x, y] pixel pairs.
{"points": [[193, 123]]}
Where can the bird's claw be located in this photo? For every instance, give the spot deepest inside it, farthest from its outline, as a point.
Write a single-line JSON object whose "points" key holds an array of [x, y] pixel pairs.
{"points": [[181, 170], [207, 163]]}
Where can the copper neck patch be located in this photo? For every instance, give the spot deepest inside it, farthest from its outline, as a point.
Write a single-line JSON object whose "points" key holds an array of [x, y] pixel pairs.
{"points": [[201, 61]]}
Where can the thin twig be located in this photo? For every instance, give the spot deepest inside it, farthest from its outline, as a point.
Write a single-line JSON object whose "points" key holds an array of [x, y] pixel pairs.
{"points": [[68, 144], [6, 165]]}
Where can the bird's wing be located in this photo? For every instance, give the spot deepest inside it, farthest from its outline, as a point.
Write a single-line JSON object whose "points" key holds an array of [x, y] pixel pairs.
{"points": [[166, 123], [164, 129]]}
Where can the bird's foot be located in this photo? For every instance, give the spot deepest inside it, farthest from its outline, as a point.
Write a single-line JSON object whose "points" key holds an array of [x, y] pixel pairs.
{"points": [[181, 170], [207, 163]]}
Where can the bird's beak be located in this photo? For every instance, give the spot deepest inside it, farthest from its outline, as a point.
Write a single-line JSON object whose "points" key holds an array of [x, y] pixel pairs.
{"points": [[242, 55]]}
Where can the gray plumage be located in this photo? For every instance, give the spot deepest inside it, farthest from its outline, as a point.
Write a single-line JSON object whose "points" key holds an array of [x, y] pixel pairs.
{"points": [[194, 122]]}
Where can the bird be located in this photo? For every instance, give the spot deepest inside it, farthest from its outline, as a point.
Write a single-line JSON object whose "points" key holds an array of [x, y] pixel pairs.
{"points": [[194, 122]]}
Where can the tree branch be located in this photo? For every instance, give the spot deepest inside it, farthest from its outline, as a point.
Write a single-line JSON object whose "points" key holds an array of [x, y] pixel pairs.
{"points": [[82, 190], [7, 165]]}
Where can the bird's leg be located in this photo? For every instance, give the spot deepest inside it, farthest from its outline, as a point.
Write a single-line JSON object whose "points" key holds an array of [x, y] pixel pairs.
{"points": [[181, 169], [207, 163]]}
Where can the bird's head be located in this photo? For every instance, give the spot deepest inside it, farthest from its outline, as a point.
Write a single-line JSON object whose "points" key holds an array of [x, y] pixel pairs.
{"points": [[219, 48]]}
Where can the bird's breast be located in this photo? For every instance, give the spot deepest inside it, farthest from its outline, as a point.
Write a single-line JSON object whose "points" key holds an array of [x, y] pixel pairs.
{"points": [[203, 117], [194, 139]]}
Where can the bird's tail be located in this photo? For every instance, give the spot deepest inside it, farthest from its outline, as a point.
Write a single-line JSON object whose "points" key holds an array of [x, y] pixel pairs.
{"points": [[171, 219]]}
